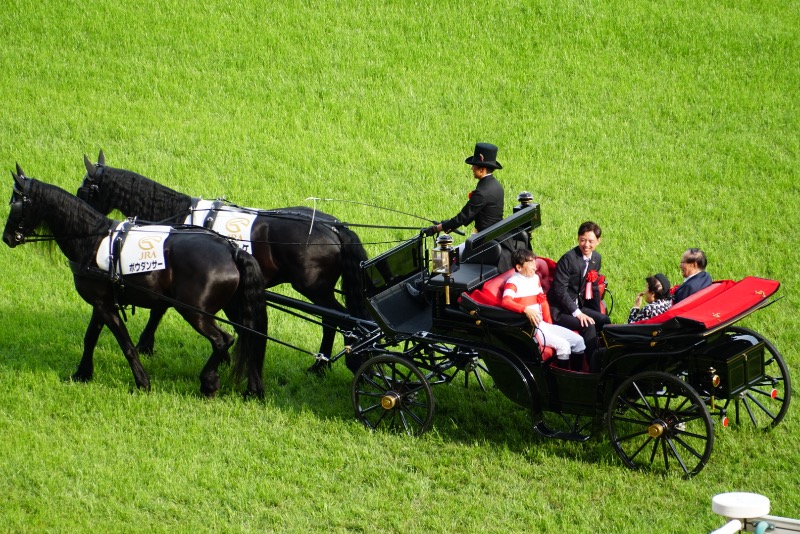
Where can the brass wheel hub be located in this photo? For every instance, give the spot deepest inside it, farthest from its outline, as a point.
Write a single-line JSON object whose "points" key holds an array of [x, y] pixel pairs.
{"points": [[657, 429], [390, 400]]}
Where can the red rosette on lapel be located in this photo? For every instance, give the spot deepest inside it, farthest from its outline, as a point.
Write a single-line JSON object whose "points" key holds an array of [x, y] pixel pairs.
{"points": [[591, 277]]}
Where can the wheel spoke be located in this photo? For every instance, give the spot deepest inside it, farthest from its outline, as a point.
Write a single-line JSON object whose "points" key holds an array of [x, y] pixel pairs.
{"points": [[414, 416], [677, 456], [767, 394], [632, 435], [642, 447], [757, 403], [686, 446]]}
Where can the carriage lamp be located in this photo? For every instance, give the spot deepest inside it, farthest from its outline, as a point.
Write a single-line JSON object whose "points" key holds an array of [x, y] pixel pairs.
{"points": [[441, 261], [441, 254], [714, 380], [525, 199]]}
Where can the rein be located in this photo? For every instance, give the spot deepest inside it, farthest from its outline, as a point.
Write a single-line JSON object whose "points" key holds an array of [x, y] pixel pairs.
{"points": [[302, 217], [93, 272]]}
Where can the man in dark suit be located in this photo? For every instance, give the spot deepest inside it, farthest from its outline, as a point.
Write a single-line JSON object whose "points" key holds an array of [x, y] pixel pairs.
{"points": [[574, 296], [695, 277], [485, 204]]}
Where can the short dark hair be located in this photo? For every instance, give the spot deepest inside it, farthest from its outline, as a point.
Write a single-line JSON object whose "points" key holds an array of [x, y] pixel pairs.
{"points": [[696, 255], [590, 226], [657, 287], [521, 255]]}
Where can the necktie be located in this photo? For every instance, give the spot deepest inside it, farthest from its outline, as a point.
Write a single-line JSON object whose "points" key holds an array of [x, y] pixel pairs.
{"points": [[586, 268]]}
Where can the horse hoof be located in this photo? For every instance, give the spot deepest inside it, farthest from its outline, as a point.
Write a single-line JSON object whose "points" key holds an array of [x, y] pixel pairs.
{"points": [[146, 350], [80, 378], [258, 395], [320, 367], [209, 384]]}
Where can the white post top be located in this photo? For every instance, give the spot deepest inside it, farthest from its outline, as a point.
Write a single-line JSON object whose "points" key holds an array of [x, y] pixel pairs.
{"points": [[739, 505]]}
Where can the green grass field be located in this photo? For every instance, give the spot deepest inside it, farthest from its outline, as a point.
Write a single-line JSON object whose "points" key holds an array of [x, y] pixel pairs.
{"points": [[671, 125]]}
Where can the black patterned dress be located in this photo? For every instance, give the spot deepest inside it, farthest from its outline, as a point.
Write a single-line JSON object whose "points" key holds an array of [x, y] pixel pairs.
{"points": [[650, 310]]}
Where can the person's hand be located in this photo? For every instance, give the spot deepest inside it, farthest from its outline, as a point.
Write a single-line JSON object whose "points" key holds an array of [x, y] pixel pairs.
{"points": [[638, 303], [584, 319], [431, 230], [534, 316]]}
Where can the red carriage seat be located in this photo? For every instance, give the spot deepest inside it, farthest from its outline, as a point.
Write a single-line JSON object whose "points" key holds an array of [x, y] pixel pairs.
{"points": [[491, 294]]}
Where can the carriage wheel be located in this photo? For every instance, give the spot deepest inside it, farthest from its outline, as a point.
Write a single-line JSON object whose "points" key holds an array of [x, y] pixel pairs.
{"points": [[392, 393], [764, 403], [657, 421]]}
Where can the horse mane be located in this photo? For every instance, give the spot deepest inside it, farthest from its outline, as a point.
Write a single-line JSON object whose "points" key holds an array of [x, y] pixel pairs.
{"points": [[138, 196], [77, 219]]}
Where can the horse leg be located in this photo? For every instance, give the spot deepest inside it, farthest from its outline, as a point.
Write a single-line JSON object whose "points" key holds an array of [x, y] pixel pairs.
{"points": [[209, 375], [220, 341], [147, 340], [328, 332], [85, 369], [114, 323]]}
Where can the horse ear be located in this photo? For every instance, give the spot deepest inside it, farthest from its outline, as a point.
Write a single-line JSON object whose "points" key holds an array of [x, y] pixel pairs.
{"points": [[19, 178], [101, 159], [90, 168], [20, 171]]}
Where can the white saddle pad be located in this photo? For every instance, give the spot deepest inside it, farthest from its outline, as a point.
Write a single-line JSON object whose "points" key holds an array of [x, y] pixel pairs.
{"points": [[142, 251], [230, 221]]}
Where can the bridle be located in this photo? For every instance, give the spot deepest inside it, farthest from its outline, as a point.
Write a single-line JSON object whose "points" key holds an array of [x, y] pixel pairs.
{"points": [[90, 189], [19, 200]]}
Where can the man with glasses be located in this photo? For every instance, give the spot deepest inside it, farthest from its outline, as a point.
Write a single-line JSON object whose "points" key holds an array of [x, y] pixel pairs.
{"points": [[693, 268]]}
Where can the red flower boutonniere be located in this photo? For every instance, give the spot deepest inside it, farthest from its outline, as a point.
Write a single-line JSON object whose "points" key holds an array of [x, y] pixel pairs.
{"points": [[469, 195], [541, 298], [673, 289], [591, 276]]}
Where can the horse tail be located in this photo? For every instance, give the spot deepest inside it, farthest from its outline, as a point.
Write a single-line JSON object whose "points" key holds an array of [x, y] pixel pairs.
{"points": [[249, 308], [353, 253]]}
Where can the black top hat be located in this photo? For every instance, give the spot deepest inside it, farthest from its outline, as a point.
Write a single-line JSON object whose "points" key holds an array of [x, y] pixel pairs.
{"points": [[485, 156]]}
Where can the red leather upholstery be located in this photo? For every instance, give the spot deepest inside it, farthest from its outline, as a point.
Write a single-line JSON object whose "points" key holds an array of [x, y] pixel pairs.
{"points": [[491, 294]]}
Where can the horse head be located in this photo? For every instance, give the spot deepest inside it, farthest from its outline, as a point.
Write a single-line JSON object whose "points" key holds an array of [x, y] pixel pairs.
{"points": [[89, 191], [14, 233]]}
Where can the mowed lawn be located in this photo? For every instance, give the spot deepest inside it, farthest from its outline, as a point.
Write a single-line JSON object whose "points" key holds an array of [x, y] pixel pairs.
{"points": [[671, 125]]}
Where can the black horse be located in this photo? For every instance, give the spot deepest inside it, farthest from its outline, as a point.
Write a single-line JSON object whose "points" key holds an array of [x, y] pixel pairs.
{"points": [[204, 273], [308, 249]]}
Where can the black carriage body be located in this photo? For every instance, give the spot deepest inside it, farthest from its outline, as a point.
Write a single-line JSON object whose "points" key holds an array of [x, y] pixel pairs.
{"points": [[658, 387]]}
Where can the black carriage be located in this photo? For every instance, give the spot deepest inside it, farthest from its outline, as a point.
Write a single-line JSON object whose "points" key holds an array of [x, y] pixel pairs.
{"points": [[662, 382], [662, 387]]}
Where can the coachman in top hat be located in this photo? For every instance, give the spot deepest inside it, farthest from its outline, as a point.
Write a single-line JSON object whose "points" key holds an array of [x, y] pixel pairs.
{"points": [[485, 204]]}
